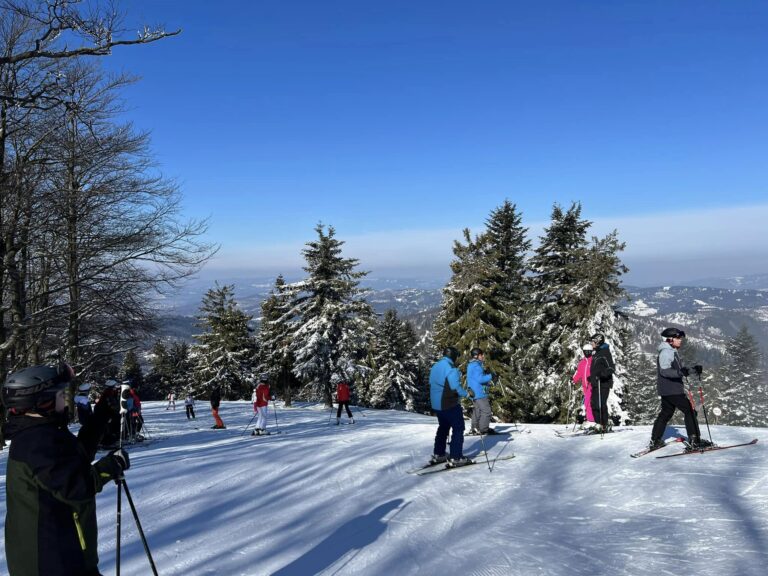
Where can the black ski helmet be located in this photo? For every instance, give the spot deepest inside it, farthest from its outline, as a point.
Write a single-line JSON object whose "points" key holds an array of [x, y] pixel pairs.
{"points": [[475, 352], [597, 339], [35, 388], [451, 352], [672, 332]]}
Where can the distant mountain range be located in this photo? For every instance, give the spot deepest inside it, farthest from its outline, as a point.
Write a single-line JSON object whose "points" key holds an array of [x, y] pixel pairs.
{"points": [[711, 312]]}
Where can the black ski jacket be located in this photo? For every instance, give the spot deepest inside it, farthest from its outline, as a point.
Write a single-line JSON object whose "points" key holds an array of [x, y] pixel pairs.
{"points": [[602, 367], [51, 486]]}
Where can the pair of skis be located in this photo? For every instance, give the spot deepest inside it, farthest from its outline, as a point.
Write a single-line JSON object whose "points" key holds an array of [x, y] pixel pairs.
{"points": [[430, 468], [586, 432], [687, 452]]}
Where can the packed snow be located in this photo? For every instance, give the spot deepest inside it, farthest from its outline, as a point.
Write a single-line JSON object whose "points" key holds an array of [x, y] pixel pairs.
{"points": [[325, 499]]}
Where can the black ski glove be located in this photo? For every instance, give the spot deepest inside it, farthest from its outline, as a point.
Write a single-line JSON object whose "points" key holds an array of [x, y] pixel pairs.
{"points": [[698, 369], [122, 459], [113, 464], [272, 398], [685, 371]]}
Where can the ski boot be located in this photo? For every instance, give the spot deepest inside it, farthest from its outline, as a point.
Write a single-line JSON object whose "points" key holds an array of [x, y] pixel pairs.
{"points": [[338, 421], [655, 444], [437, 459], [458, 462], [351, 420]]}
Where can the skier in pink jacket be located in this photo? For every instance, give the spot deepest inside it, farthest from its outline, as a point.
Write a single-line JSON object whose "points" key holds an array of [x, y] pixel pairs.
{"points": [[582, 375]]}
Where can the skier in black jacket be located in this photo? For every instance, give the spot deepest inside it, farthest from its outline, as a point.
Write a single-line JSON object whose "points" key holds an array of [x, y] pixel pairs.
{"points": [[51, 486], [601, 378]]}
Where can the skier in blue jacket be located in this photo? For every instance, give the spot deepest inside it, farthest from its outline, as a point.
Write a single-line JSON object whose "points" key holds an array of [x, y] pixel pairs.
{"points": [[477, 382], [444, 393]]}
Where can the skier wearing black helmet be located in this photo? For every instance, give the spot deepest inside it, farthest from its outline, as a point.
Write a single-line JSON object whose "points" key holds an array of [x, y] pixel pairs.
{"points": [[444, 392], [670, 386], [51, 486], [601, 379]]}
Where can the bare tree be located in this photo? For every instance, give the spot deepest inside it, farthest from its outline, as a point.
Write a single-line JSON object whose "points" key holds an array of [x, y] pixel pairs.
{"points": [[89, 228]]}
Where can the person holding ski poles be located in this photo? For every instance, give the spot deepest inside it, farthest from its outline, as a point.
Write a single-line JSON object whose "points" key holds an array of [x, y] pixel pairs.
{"points": [[582, 376], [444, 393], [260, 399], [51, 485], [342, 397], [477, 382], [669, 384], [601, 378]]}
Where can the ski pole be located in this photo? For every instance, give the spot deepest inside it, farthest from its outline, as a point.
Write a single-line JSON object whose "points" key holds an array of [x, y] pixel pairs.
{"points": [[600, 399], [482, 441], [138, 525], [704, 409], [123, 400], [274, 409], [331, 414], [248, 425], [359, 410]]}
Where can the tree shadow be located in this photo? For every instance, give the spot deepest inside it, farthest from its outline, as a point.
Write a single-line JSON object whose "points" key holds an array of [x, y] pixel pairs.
{"points": [[354, 535]]}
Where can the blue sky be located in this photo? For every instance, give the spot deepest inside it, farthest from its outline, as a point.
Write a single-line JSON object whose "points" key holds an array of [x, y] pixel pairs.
{"points": [[402, 122]]}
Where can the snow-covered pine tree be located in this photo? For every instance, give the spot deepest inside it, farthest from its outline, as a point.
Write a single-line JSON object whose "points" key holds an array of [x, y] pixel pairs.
{"points": [[507, 246], [742, 394], [180, 368], [331, 320], [275, 356], [131, 370], [575, 288], [225, 354], [640, 399], [395, 381], [486, 297]]}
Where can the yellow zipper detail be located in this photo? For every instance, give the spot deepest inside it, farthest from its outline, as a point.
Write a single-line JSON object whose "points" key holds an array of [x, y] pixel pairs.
{"points": [[79, 528]]}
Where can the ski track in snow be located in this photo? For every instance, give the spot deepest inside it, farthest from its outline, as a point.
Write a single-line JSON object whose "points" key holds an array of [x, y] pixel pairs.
{"points": [[325, 499]]}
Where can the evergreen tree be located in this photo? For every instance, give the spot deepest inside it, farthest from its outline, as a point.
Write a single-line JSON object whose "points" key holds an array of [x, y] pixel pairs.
{"points": [[276, 358], [742, 395], [575, 286], [224, 357], [331, 320], [640, 399], [486, 298], [131, 370], [396, 374]]}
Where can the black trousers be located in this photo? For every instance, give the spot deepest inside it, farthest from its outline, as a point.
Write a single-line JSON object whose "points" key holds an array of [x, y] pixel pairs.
{"points": [[599, 403], [345, 405], [668, 406], [190, 411]]}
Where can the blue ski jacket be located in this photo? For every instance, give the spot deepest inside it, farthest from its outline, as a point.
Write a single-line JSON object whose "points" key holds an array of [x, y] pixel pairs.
{"points": [[477, 379], [445, 385]]}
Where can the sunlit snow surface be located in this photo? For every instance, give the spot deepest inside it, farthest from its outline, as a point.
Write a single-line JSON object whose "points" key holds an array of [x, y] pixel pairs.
{"points": [[327, 499]]}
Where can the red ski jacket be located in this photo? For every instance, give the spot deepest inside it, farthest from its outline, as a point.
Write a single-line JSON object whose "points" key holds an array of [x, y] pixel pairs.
{"points": [[261, 395], [342, 392]]}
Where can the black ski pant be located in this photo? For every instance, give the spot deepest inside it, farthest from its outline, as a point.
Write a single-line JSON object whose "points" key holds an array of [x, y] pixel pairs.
{"points": [[599, 403], [668, 406], [345, 405], [190, 411]]}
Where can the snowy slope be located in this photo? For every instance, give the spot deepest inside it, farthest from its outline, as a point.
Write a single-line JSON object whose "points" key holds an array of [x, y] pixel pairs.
{"points": [[322, 499]]}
